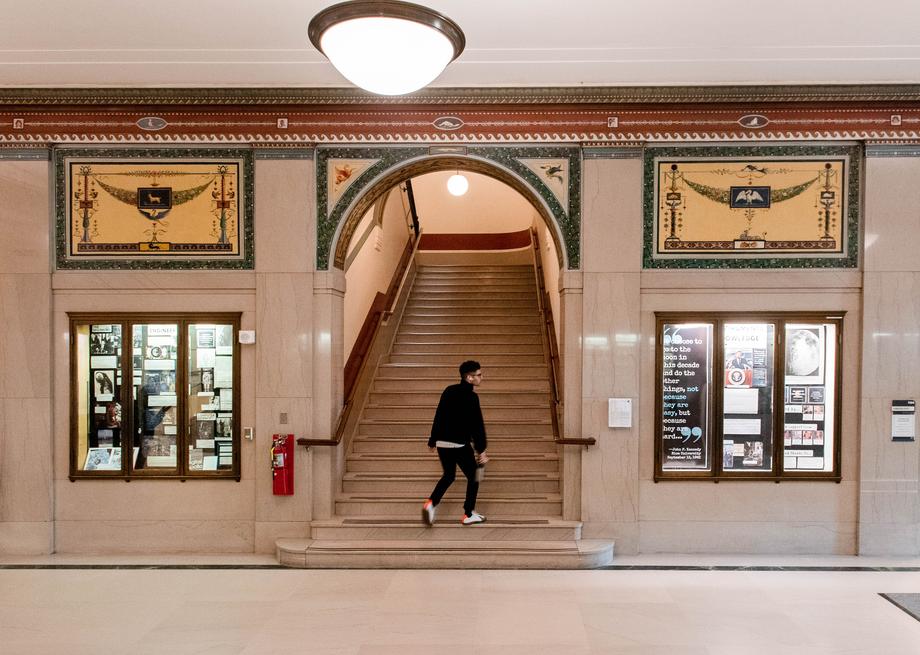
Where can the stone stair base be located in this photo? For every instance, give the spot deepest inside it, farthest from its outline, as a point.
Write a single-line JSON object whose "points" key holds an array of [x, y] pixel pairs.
{"points": [[417, 554]]}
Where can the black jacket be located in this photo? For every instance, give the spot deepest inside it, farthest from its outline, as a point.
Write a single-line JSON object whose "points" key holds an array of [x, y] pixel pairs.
{"points": [[459, 418]]}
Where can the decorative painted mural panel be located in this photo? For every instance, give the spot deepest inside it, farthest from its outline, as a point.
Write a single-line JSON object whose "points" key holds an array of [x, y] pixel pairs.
{"points": [[764, 207], [176, 208]]}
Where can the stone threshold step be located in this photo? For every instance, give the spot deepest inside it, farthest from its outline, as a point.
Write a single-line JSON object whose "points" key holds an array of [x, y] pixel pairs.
{"points": [[433, 477], [497, 529], [413, 498], [487, 554]]}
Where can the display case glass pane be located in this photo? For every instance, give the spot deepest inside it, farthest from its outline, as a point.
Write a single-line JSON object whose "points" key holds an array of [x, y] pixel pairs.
{"points": [[810, 397], [747, 397], [99, 411], [155, 349], [686, 396], [210, 397]]}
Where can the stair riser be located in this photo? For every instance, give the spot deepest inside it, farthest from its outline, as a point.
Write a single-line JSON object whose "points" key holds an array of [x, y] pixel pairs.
{"points": [[454, 320], [523, 412], [419, 446], [495, 333], [452, 372], [534, 349], [472, 315], [533, 339], [433, 466], [484, 532], [423, 429], [448, 510], [485, 359], [485, 399], [517, 285], [383, 385], [424, 487], [475, 299]]}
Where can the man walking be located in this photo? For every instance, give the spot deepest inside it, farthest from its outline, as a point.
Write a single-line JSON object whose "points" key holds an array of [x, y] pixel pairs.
{"points": [[458, 428]]}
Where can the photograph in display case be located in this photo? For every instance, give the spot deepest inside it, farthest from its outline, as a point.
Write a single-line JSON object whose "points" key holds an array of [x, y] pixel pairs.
{"points": [[103, 385], [103, 343], [804, 354]]}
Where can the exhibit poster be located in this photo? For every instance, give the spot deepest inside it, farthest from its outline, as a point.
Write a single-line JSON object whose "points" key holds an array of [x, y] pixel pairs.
{"points": [[685, 373]]}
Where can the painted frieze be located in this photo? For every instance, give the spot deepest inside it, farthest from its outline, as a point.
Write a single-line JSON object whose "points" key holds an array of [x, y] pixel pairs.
{"points": [[175, 208], [736, 207]]}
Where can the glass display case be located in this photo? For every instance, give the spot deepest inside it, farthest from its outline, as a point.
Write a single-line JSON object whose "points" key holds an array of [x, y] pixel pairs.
{"points": [[176, 418]]}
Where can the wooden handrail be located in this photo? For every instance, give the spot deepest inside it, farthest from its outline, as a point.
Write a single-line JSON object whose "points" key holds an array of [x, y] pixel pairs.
{"points": [[552, 352], [382, 308]]}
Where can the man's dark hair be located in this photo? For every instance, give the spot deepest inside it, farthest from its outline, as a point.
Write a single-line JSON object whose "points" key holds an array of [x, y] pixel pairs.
{"points": [[469, 366]]}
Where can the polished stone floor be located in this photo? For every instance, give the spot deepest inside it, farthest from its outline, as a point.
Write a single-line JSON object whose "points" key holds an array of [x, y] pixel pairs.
{"points": [[242, 606]]}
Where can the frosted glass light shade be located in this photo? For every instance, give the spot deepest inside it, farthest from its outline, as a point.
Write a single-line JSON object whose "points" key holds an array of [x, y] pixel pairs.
{"points": [[386, 46], [457, 184]]}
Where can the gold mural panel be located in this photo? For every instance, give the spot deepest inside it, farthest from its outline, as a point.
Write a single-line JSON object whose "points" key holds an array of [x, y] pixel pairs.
{"points": [[753, 207], [168, 209]]}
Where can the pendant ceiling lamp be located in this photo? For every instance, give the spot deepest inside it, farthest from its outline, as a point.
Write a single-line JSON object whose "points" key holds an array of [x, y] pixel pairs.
{"points": [[387, 47], [457, 184]]}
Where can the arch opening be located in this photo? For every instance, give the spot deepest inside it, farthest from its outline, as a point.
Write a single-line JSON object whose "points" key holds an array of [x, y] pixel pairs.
{"points": [[399, 174]]}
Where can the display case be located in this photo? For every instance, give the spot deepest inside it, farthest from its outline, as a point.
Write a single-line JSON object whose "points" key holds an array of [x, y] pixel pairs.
{"points": [[751, 396], [176, 418]]}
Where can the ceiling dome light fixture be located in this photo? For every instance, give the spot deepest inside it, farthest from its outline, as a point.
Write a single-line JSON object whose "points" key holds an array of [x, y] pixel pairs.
{"points": [[457, 184], [388, 47]]}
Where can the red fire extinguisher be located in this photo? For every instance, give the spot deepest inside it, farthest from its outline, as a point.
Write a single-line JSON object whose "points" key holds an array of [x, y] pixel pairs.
{"points": [[283, 464]]}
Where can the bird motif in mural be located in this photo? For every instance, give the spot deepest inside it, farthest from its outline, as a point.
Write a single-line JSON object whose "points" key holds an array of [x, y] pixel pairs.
{"points": [[748, 196], [553, 172], [343, 173]]}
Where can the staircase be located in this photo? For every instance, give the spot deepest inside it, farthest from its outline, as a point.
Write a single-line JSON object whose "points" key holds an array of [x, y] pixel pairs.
{"points": [[454, 313]]}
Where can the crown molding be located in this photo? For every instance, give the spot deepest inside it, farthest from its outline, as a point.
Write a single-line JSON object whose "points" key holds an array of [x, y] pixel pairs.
{"points": [[251, 96]]}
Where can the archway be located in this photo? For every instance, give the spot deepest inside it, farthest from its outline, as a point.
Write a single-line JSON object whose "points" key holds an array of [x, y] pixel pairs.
{"points": [[547, 177]]}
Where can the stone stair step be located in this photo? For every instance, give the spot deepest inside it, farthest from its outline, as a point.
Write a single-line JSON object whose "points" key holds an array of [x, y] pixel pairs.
{"points": [[496, 371], [528, 427], [418, 445], [508, 529], [428, 463], [431, 398], [437, 384], [446, 359], [529, 338], [459, 319], [501, 506], [422, 483], [443, 348], [472, 299], [403, 554], [470, 314], [489, 412]]}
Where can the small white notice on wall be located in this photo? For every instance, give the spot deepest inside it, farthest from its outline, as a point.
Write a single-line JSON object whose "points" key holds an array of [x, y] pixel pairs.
{"points": [[903, 420], [619, 412]]}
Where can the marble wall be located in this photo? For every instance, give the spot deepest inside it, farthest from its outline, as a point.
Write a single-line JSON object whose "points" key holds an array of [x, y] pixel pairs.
{"points": [[619, 498], [889, 508], [291, 381], [26, 502]]}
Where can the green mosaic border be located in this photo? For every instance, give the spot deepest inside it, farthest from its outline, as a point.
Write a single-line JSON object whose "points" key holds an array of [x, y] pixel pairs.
{"points": [[569, 222], [849, 260], [247, 262]]}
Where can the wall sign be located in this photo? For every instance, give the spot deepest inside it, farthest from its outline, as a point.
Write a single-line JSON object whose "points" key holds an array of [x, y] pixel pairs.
{"points": [[903, 420]]}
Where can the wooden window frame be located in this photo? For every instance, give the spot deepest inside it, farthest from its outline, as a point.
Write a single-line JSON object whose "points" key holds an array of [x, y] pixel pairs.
{"points": [[715, 405], [127, 321]]}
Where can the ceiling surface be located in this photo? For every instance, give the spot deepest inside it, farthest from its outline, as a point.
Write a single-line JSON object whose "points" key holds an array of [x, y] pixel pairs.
{"points": [[250, 43]]}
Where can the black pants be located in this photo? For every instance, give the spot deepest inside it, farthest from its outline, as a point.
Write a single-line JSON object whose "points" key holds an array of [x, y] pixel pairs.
{"points": [[451, 458]]}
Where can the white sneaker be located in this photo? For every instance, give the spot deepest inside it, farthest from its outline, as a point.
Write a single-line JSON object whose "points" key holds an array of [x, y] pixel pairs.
{"points": [[428, 511], [475, 517]]}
